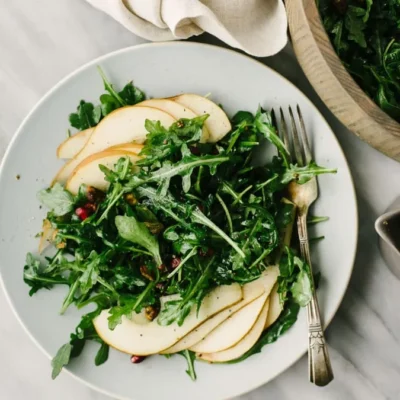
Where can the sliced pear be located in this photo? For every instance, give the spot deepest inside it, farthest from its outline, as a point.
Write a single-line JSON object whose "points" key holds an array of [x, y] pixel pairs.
{"points": [[47, 235], [231, 331], [121, 126], [142, 337], [131, 147], [177, 110], [244, 345], [71, 146], [275, 307], [89, 173], [251, 291], [217, 123]]}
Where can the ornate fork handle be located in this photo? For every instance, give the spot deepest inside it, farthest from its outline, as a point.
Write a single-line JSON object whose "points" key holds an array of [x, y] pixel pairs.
{"points": [[319, 367]]}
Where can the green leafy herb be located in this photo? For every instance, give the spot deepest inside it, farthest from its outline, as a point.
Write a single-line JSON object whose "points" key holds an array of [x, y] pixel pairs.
{"points": [[61, 359], [316, 220], [295, 279], [190, 359], [57, 200], [89, 115], [364, 35], [303, 174], [137, 232], [86, 116]]}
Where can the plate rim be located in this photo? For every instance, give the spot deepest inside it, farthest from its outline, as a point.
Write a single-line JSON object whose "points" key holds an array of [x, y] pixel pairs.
{"points": [[109, 55]]}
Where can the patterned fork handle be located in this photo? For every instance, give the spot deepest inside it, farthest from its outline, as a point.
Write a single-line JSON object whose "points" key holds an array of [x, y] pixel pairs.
{"points": [[319, 365]]}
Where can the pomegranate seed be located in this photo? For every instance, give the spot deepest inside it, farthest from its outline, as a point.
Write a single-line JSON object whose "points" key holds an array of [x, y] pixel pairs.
{"points": [[82, 213], [137, 359], [160, 287], [175, 262]]}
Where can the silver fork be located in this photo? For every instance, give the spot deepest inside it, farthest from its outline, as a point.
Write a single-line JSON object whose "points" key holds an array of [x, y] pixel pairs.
{"points": [[319, 365]]}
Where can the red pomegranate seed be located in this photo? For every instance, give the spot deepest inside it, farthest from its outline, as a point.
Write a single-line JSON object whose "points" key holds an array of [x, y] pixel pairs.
{"points": [[137, 359], [82, 213], [175, 262]]}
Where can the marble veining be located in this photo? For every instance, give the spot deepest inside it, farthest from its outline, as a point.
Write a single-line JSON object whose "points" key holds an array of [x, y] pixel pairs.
{"points": [[43, 40]]}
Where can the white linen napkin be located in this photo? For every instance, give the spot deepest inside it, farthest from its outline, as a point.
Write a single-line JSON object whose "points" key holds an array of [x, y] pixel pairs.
{"points": [[256, 26]]}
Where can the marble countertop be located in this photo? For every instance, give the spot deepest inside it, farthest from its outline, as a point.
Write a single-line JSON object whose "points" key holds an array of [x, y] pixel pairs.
{"points": [[43, 40]]}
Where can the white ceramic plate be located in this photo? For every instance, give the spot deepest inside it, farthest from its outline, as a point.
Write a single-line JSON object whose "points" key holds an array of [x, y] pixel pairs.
{"points": [[163, 70]]}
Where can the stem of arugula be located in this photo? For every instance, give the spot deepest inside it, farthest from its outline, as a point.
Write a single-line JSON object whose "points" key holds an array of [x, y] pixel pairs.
{"points": [[227, 213], [191, 254]]}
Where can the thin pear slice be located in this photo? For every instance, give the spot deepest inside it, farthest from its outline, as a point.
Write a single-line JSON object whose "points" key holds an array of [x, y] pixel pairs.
{"points": [[142, 337], [275, 307], [231, 331], [89, 173], [217, 123], [131, 147], [177, 110], [71, 146], [46, 236], [251, 291], [244, 345], [121, 126]]}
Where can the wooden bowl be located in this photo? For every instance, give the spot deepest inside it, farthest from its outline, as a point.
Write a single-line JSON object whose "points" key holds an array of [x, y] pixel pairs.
{"points": [[334, 84]]}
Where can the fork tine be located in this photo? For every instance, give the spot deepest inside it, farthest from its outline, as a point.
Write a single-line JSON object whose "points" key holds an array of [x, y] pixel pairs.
{"points": [[285, 131], [306, 144], [296, 140]]}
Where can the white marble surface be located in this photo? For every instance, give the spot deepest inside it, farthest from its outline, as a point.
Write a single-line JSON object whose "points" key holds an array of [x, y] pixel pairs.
{"points": [[43, 40]]}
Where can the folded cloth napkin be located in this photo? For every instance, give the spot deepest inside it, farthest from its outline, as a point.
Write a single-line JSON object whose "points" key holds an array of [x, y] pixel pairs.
{"points": [[256, 26]]}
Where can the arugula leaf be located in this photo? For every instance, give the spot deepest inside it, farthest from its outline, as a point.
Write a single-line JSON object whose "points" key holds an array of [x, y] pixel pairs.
{"points": [[184, 168], [102, 354], [61, 359], [87, 116], [355, 23], [190, 357], [303, 174], [263, 124], [175, 311], [137, 232], [91, 273], [129, 95], [57, 200], [295, 278], [38, 279], [195, 215]]}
